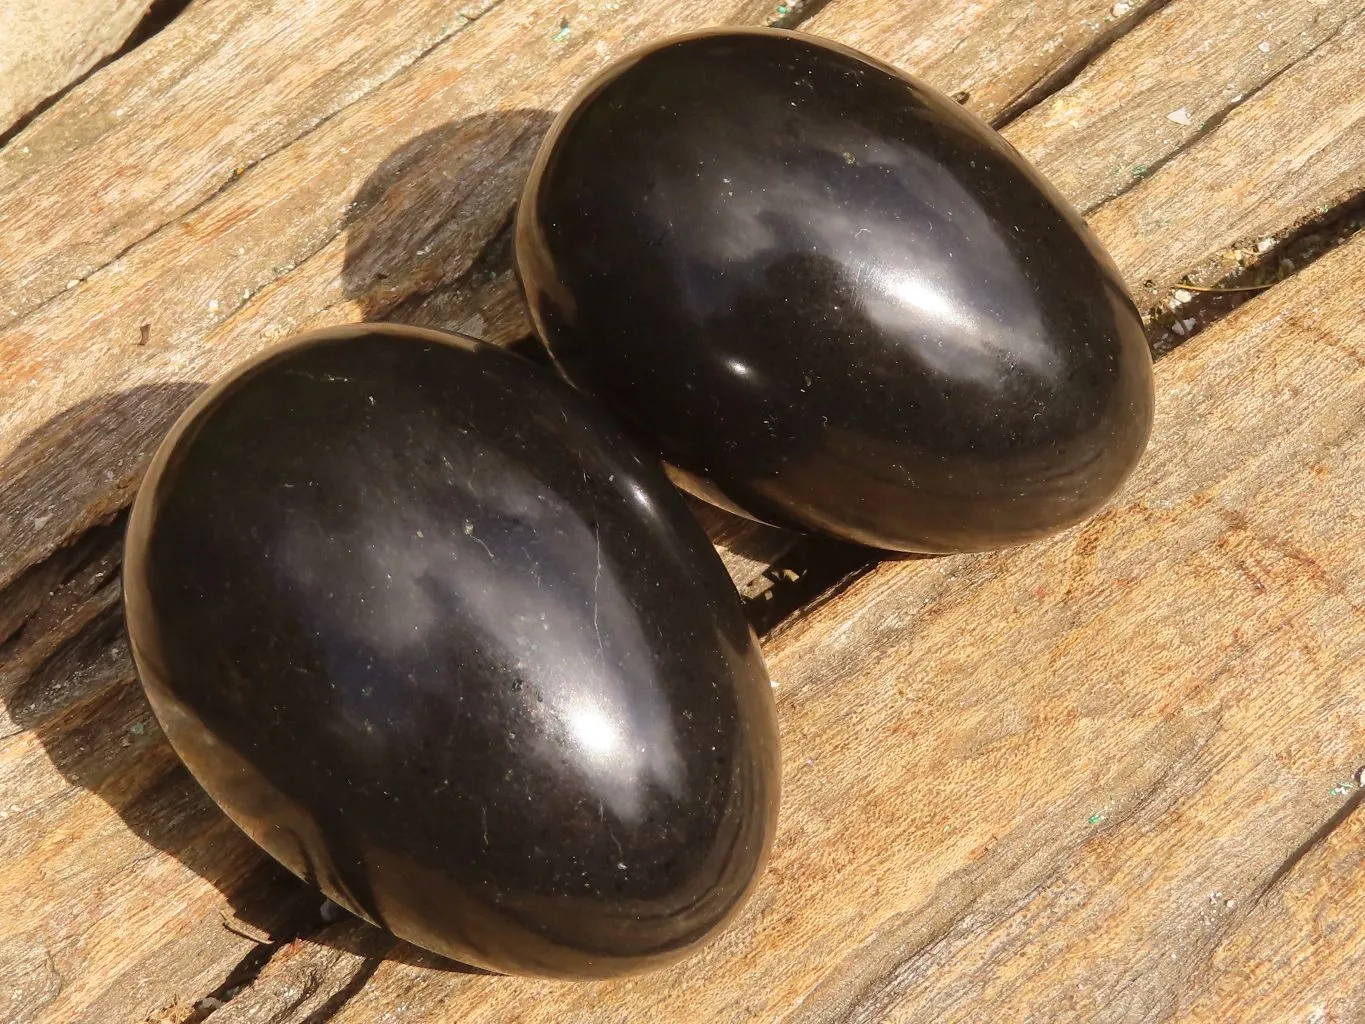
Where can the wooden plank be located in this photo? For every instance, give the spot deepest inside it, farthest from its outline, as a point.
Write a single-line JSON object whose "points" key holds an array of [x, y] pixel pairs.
{"points": [[1070, 781], [181, 117], [1172, 81], [45, 45], [1272, 163], [997, 57], [284, 206]]}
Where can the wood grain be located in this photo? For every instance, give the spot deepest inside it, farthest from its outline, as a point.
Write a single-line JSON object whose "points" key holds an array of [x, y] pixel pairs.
{"points": [[45, 45], [1294, 148], [1296, 955], [1068, 782], [183, 116], [1172, 81], [998, 57], [325, 223]]}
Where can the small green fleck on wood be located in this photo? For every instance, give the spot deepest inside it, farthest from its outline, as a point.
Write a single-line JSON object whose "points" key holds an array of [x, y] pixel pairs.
{"points": [[783, 10], [1098, 817], [1342, 788], [563, 32], [1141, 171]]}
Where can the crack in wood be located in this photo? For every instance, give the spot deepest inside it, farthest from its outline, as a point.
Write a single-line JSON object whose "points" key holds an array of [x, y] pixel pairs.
{"points": [[1293, 252], [811, 573], [339, 999], [1314, 840], [157, 17], [49, 608], [239, 977], [234, 178], [1215, 120], [1071, 69]]}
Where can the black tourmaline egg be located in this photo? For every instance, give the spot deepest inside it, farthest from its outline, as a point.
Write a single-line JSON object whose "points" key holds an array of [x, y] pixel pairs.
{"points": [[449, 646], [831, 297]]}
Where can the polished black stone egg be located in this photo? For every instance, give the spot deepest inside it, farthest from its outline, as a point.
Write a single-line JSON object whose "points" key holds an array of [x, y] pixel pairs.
{"points": [[448, 645], [832, 298]]}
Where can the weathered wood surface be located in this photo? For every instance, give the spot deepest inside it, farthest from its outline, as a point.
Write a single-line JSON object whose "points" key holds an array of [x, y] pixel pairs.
{"points": [[343, 181], [1173, 79], [45, 45], [1292, 142], [160, 250], [996, 58], [1087, 780], [182, 116], [1297, 955]]}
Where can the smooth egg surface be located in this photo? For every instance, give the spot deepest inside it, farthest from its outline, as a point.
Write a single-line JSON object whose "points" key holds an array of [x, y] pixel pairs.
{"points": [[448, 645], [831, 297]]}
